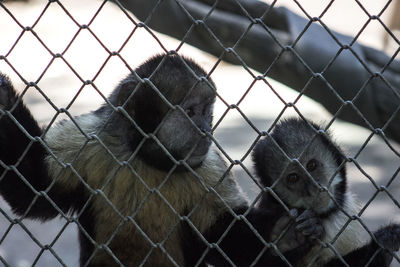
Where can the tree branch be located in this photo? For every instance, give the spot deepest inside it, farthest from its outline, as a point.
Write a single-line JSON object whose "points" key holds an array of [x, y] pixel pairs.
{"points": [[358, 83]]}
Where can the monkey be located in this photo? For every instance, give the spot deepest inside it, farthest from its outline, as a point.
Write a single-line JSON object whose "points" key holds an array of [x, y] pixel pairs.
{"points": [[301, 163], [140, 176]]}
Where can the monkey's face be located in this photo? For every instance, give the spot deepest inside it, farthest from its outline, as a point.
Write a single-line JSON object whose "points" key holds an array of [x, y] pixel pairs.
{"points": [[168, 116], [301, 166], [309, 182], [185, 131], [180, 124]]}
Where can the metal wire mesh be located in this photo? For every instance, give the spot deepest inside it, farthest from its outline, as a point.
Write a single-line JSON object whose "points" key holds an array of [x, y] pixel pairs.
{"points": [[56, 55]]}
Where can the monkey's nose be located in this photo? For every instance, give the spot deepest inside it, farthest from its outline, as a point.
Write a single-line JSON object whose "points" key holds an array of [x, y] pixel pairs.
{"points": [[312, 190]]}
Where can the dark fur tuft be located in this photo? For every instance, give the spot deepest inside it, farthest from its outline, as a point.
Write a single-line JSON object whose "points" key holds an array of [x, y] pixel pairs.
{"points": [[389, 237]]}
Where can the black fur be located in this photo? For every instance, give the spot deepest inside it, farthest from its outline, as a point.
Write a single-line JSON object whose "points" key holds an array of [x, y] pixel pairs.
{"points": [[241, 245], [136, 130], [27, 157], [292, 136], [372, 254], [263, 158], [148, 106]]}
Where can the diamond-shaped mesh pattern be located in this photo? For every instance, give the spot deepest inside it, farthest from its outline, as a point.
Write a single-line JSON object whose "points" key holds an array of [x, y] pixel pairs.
{"points": [[256, 37]]}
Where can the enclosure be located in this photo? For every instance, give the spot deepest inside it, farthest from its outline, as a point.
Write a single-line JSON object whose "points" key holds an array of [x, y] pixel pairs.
{"points": [[65, 57]]}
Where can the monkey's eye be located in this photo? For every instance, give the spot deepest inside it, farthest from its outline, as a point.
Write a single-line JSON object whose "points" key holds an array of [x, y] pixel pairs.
{"points": [[311, 165], [292, 178], [190, 112]]}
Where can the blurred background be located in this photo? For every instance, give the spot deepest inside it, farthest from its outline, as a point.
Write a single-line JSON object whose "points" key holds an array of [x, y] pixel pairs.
{"points": [[28, 57]]}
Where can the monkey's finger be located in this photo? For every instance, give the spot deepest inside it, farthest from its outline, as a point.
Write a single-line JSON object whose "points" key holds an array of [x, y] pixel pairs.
{"points": [[310, 227], [307, 214], [308, 223], [306, 231], [317, 233], [293, 213]]}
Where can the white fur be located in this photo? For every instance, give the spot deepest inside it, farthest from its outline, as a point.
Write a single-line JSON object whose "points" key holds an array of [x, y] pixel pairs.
{"points": [[145, 203], [350, 239]]}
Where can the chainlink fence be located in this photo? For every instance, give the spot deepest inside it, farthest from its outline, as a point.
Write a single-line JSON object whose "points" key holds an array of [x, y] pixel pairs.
{"points": [[82, 60]]}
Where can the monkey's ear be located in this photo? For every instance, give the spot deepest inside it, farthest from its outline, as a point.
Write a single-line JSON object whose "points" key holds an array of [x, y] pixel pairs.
{"points": [[141, 102], [125, 90], [8, 95], [267, 157], [260, 155]]}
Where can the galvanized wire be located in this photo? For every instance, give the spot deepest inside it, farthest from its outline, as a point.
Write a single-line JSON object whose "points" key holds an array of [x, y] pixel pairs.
{"points": [[225, 49]]}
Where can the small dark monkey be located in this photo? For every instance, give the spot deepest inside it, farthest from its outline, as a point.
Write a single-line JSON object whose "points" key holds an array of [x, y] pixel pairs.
{"points": [[308, 172]]}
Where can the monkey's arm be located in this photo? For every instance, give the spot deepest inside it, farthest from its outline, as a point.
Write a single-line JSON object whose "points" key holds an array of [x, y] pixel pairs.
{"points": [[22, 166], [388, 237], [242, 245]]}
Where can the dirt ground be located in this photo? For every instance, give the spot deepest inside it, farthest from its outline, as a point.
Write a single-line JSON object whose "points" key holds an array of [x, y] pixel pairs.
{"points": [[19, 243]]}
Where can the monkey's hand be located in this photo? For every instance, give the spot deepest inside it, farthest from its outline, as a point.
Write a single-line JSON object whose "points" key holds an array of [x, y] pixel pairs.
{"points": [[7, 94], [285, 234], [309, 224]]}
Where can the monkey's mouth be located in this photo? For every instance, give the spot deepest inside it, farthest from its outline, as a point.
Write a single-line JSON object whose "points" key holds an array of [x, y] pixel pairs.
{"points": [[201, 147], [322, 203], [196, 161], [197, 157]]}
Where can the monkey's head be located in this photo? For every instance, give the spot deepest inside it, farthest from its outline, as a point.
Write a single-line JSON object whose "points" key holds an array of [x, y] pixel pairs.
{"points": [[168, 114], [312, 161]]}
